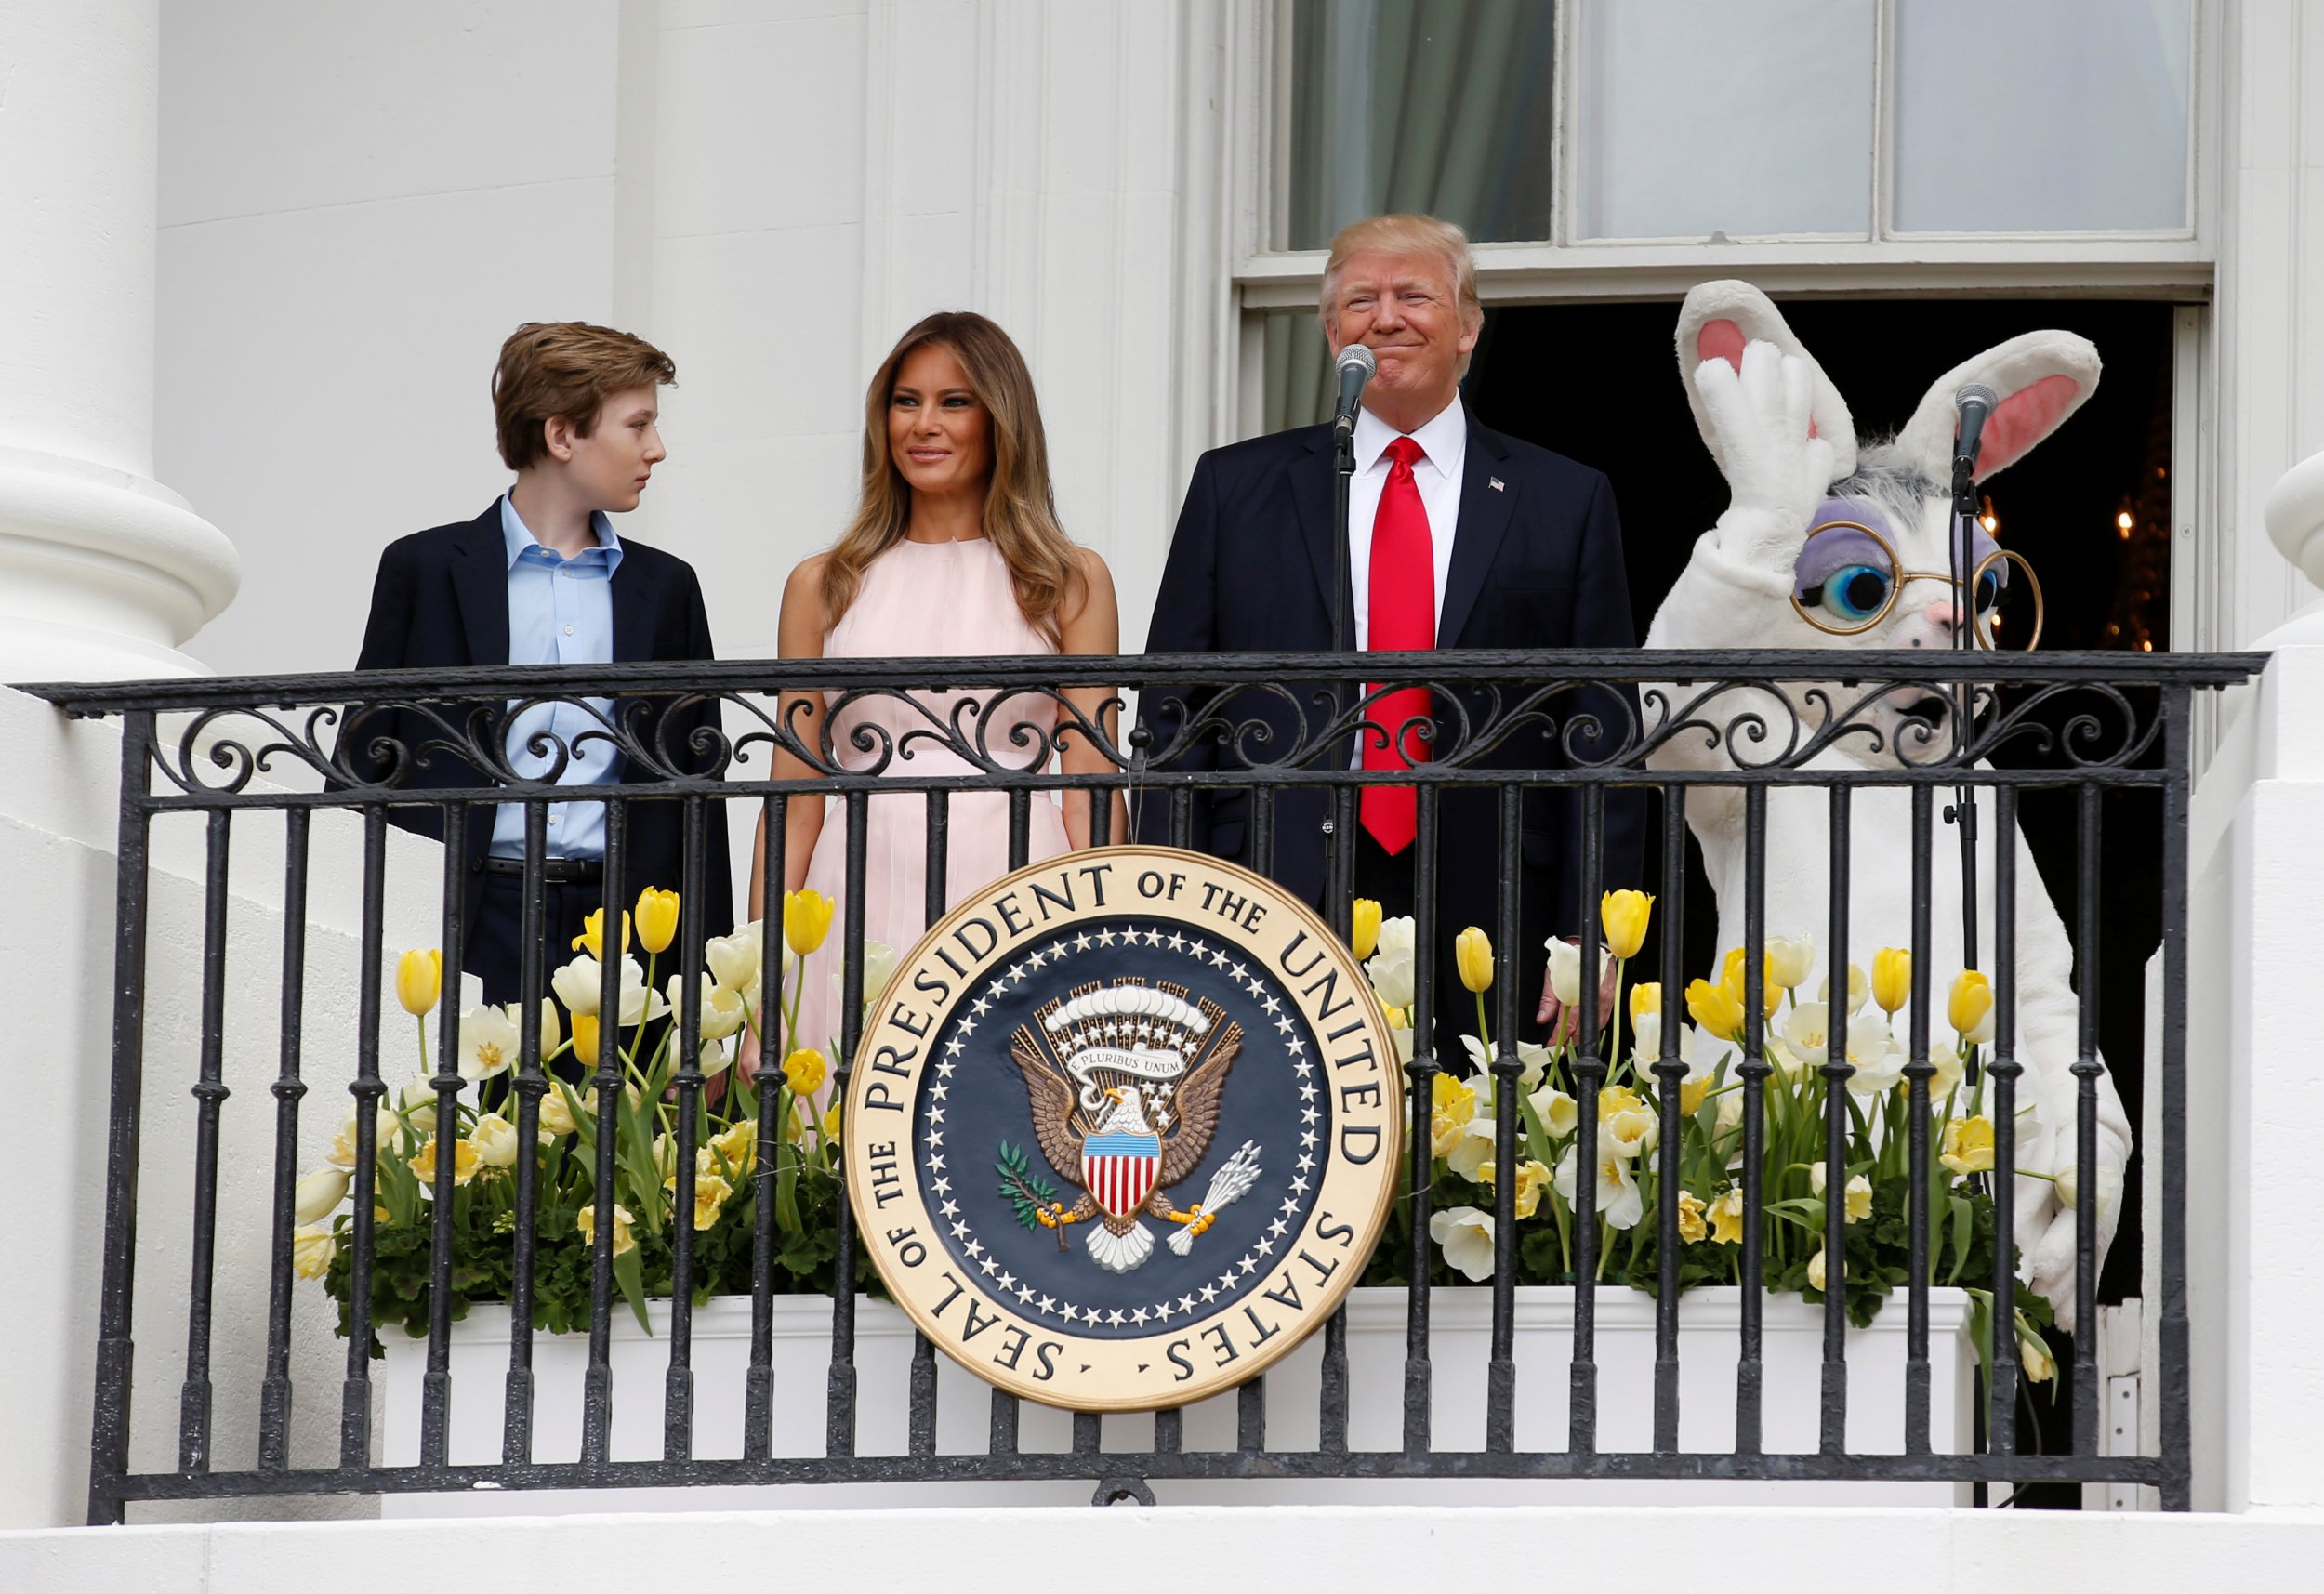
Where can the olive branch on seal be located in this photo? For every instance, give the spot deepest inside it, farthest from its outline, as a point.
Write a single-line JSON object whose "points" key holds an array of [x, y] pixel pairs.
{"points": [[1023, 1189]]}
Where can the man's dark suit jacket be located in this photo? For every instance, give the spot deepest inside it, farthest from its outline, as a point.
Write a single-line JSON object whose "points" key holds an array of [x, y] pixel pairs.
{"points": [[1537, 562], [442, 602]]}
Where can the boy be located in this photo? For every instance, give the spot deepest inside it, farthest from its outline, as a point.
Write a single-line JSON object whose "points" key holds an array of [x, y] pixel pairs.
{"points": [[540, 577]]}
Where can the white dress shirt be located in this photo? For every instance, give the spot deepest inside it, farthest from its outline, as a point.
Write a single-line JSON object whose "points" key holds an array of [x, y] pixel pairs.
{"points": [[1445, 440]]}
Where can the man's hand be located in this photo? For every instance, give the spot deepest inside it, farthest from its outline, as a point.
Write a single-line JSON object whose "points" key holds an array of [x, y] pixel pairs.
{"points": [[1564, 1021]]}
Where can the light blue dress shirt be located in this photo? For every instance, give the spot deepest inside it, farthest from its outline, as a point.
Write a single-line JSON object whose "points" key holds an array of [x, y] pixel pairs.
{"points": [[560, 612]]}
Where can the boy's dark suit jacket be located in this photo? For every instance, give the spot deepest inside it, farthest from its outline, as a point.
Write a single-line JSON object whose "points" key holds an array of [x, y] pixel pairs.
{"points": [[442, 602], [1537, 562]]}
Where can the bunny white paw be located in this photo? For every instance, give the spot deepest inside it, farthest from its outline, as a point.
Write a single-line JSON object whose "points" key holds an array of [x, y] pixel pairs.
{"points": [[1777, 472]]}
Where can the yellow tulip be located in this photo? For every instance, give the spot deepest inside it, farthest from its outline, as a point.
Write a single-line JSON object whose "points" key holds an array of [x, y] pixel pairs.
{"points": [[806, 919], [419, 980], [657, 919], [710, 1193], [1645, 998], [585, 1034], [1770, 989], [1968, 1146], [1532, 1180], [1364, 932], [1691, 1225], [1625, 914], [1971, 999], [1616, 1098], [1473, 952], [1451, 1106], [738, 1145], [592, 936], [831, 1120], [804, 1070], [1719, 1011], [2034, 1357], [1692, 1093], [1892, 978]]}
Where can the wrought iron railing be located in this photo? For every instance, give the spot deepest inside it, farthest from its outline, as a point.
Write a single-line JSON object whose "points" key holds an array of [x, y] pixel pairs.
{"points": [[1590, 728]]}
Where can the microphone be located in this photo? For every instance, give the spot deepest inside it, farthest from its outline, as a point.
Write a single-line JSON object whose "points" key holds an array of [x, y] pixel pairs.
{"points": [[1355, 366], [1973, 404]]}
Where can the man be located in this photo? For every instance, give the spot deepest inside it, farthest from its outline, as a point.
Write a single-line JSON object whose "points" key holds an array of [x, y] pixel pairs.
{"points": [[1458, 537], [540, 578]]}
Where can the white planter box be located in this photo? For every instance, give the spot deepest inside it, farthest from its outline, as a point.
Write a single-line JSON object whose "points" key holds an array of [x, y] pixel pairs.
{"points": [[1461, 1323]]}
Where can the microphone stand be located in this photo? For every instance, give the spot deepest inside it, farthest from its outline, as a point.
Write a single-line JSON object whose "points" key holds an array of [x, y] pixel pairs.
{"points": [[1340, 830], [1964, 809]]}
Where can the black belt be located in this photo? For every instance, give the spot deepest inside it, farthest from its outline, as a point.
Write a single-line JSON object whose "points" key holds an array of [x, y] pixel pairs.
{"points": [[555, 871]]}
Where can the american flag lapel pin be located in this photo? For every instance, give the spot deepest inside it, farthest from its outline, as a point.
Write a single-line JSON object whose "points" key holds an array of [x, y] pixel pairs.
{"points": [[1494, 482]]}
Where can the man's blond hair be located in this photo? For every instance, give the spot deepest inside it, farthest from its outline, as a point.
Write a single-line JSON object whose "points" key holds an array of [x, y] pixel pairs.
{"points": [[1404, 234]]}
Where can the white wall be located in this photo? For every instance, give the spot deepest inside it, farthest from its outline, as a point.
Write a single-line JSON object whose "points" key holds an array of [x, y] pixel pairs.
{"points": [[58, 834], [358, 203]]}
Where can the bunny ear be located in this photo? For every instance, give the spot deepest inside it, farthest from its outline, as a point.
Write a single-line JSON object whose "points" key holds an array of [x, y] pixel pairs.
{"points": [[2041, 378], [1715, 323]]}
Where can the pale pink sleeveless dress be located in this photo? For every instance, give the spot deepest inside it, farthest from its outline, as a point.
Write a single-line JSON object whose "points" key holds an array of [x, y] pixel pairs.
{"points": [[923, 600]]}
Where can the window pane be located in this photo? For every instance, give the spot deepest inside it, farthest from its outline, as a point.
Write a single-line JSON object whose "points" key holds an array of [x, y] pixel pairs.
{"points": [[1440, 106], [2061, 117], [1702, 116]]}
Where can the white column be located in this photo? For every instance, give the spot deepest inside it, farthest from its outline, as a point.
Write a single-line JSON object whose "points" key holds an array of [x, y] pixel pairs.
{"points": [[103, 571]]}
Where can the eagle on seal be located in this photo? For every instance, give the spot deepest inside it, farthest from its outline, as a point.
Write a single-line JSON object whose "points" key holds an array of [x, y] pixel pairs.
{"points": [[1131, 1112]]}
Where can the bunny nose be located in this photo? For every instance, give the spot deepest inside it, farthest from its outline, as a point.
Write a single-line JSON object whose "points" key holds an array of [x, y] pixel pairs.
{"points": [[1946, 615]]}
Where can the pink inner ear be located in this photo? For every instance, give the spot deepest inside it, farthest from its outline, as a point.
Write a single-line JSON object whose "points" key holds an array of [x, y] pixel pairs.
{"points": [[1723, 340], [2022, 420], [1720, 340]]}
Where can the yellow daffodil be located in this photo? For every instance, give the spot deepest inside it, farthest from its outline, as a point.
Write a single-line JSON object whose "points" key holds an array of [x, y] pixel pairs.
{"points": [[318, 1194], [592, 937], [1719, 1011], [586, 1221], [311, 1250], [806, 919], [1971, 1001], [1625, 914], [738, 1145], [1473, 952], [1726, 1217], [419, 980], [464, 1163], [1451, 1106], [1790, 958], [1691, 1225], [657, 918], [804, 1070], [1968, 1146], [1614, 1099], [1364, 932], [1856, 1198], [1892, 978], [710, 1193]]}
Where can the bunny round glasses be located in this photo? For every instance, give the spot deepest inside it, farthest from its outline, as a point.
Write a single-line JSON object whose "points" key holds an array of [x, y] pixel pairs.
{"points": [[1862, 592]]}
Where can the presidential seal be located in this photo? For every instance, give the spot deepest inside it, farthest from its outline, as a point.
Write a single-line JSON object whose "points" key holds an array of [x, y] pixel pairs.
{"points": [[1123, 1129]]}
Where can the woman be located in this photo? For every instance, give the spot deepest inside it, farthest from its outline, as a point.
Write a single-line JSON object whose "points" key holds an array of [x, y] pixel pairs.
{"points": [[955, 550]]}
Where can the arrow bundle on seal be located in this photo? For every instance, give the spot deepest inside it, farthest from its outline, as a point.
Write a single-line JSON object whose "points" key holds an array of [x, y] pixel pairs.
{"points": [[1237, 1175]]}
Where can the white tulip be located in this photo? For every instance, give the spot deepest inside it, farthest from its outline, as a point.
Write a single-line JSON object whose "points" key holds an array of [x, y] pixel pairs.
{"points": [[1391, 975], [1859, 988], [488, 1041], [496, 1140], [1618, 1201], [736, 960], [1789, 959], [1395, 940], [1806, 1032], [1566, 970], [1465, 1234], [318, 1194]]}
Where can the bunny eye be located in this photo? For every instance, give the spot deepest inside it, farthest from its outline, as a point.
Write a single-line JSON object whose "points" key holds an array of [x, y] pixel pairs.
{"points": [[1854, 592], [1989, 593]]}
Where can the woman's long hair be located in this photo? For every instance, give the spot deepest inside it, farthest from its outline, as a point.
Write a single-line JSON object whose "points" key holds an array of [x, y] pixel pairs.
{"points": [[1019, 509]]}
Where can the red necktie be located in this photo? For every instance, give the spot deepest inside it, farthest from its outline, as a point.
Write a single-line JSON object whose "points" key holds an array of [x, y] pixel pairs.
{"points": [[1401, 615]]}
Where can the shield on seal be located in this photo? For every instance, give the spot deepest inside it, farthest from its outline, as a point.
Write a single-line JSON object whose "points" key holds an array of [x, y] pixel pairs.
{"points": [[1120, 1169]]}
